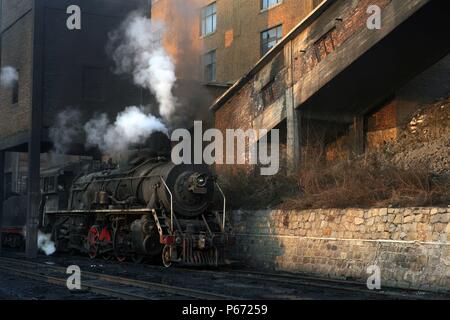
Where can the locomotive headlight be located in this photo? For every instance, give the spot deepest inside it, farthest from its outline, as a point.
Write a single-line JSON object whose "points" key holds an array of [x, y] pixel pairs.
{"points": [[197, 183], [201, 180]]}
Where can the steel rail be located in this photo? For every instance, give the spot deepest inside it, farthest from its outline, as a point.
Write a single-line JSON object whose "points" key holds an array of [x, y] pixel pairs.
{"points": [[290, 279], [294, 279], [182, 291], [62, 282], [335, 284]]}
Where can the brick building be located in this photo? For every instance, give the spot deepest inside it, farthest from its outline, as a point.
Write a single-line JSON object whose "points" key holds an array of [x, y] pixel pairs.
{"points": [[226, 37], [57, 69], [332, 83]]}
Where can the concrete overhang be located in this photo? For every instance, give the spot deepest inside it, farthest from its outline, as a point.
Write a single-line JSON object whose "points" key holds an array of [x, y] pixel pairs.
{"points": [[417, 43], [371, 65], [306, 22]]}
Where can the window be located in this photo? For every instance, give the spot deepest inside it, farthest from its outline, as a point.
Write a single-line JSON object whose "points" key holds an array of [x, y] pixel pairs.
{"points": [[15, 91], [209, 19], [266, 4], [209, 63], [270, 38]]}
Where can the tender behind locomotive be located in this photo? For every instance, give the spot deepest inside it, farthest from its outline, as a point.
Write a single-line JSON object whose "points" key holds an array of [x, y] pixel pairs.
{"points": [[146, 207]]}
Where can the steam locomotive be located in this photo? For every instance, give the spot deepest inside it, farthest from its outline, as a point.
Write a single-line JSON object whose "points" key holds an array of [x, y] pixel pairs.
{"points": [[145, 207]]}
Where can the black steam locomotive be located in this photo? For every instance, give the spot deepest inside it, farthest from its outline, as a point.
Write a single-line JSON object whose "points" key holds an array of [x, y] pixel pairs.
{"points": [[146, 207]]}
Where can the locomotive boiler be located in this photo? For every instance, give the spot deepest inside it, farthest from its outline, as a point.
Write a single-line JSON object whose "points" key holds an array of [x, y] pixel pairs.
{"points": [[147, 207]]}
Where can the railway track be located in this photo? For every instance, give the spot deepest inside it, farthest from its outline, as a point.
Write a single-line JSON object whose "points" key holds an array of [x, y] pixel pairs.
{"points": [[108, 285], [344, 285], [146, 285], [303, 280]]}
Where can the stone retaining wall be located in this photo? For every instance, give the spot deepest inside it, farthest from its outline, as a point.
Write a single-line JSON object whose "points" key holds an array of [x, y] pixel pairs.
{"points": [[411, 246]]}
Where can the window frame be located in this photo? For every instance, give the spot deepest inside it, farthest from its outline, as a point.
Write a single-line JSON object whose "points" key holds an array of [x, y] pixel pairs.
{"points": [[263, 50], [204, 18], [269, 6], [213, 63]]}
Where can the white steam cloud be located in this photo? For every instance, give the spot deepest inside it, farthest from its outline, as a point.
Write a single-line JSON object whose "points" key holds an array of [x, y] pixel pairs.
{"points": [[132, 126], [8, 75], [137, 49], [45, 243]]}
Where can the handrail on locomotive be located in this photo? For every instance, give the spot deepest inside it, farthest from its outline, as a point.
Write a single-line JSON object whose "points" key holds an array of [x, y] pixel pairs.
{"points": [[171, 203], [172, 215], [224, 205]]}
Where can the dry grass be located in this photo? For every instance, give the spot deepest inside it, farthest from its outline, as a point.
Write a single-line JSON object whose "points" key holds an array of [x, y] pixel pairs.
{"points": [[413, 171], [368, 184], [357, 183]]}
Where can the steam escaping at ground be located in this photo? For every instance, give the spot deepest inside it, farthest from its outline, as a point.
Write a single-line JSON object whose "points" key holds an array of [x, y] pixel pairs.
{"points": [[66, 129], [45, 243], [8, 75], [137, 49], [132, 126]]}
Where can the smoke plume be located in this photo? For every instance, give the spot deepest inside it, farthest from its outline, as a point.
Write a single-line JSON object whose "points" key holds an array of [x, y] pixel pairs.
{"points": [[66, 129], [132, 126], [181, 41], [45, 243], [8, 75], [137, 50]]}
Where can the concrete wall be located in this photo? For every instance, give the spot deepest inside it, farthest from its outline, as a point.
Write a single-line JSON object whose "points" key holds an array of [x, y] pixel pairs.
{"points": [[410, 245]]}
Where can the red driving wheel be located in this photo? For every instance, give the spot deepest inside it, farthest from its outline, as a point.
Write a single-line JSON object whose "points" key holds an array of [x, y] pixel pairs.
{"points": [[92, 242]]}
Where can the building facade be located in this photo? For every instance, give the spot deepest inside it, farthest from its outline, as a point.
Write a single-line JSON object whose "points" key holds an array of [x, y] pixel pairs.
{"points": [[226, 37], [335, 88]]}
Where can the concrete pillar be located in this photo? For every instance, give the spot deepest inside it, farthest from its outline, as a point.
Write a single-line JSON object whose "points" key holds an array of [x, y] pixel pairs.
{"points": [[358, 134], [2, 192], [293, 133], [292, 115]]}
